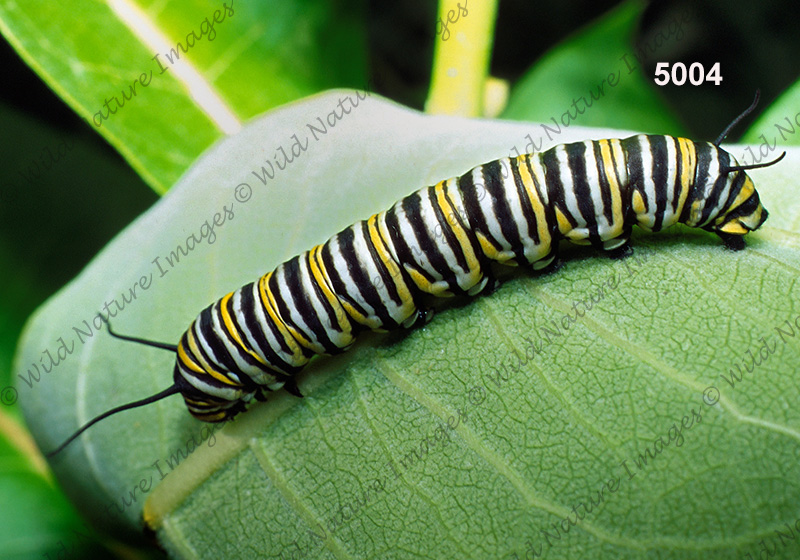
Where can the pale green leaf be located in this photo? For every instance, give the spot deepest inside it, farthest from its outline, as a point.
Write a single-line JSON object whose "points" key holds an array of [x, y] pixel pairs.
{"points": [[363, 462], [249, 56]]}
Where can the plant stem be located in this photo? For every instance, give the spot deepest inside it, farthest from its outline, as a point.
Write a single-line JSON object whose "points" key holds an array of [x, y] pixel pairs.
{"points": [[463, 45]]}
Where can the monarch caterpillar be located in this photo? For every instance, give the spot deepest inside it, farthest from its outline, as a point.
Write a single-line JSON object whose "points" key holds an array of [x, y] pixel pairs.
{"points": [[441, 241]]}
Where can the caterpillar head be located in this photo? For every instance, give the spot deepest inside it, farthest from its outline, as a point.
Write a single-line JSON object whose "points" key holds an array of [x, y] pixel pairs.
{"points": [[211, 393], [214, 384], [218, 405], [741, 211], [213, 406], [729, 205], [210, 396]]}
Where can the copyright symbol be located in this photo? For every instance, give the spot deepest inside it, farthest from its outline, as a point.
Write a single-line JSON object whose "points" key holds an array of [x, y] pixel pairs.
{"points": [[711, 395], [476, 396], [243, 192], [8, 396]]}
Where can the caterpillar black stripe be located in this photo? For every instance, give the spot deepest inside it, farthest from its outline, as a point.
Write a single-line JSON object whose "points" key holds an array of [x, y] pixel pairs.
{"points": [[441, 241]]}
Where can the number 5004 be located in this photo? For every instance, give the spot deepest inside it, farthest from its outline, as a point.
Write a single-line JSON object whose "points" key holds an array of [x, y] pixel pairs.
{"points": [[696, 74]]}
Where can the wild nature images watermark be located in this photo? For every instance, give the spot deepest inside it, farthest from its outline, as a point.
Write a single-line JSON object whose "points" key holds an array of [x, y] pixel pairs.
{"points": [[435, 439], [83, 330], [9, 395], [580, 105], [73, 547], [113, 104], [440, 436], [317, 128], [778, 542], [553, 329], [205, 435], [452, 18], [784, 331], [674, 435], [537, 546], [204, 234], [749, 157]]}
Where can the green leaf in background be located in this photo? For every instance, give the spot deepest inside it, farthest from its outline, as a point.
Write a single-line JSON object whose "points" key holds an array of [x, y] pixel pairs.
{"points": [[247, 56], [485, 434], [779, 124], [39, 209], [11, 320], [36, 520], [597, 69]]}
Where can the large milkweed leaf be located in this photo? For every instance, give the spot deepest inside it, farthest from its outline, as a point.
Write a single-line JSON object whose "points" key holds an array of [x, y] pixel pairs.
{"points": [[593, 412], [178, 76]]}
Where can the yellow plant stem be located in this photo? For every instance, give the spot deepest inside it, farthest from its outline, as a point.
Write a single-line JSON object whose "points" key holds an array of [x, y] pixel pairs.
{"points": [[463, 46]]}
